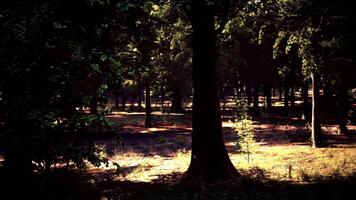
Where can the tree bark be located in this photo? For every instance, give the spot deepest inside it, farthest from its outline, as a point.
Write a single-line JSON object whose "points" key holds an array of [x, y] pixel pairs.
{"points": [[249, 93], [209, 161], [123, 101], [292, 97], [177, 106], [148, 108], [343, 107], [267, 93], [280, 93], [116, 100], [255, 96], [140, 98], [306, 112], [286, 96], [316, 129]]}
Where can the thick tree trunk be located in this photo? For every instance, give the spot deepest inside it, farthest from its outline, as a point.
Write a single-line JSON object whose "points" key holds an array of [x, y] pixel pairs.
{"points": [[209, 161], [148, 109], [177, 106], [280, 93], [316, 130]]}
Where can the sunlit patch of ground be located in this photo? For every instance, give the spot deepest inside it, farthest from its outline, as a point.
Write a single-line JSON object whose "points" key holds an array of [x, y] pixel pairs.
{"points": [[290, 163]]}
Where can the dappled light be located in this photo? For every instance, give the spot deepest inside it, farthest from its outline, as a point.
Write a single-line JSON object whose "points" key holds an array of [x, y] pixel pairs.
{"points": [[177, 100]]}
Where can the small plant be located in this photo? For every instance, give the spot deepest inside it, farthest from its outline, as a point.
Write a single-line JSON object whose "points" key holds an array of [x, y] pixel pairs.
{"points": [[244, 128]]}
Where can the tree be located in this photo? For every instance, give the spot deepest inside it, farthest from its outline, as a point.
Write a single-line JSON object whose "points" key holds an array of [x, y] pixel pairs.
{"points": [[209, 161]]}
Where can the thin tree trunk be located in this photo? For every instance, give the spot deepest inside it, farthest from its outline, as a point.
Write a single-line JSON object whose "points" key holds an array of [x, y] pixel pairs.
{"points": [[123, 101], [286, 96], [162, 103], [249, 93], [132, 103], [316, 130], [292, 97], [148, 109], [255, 96], [306, 112], [209, 161]]}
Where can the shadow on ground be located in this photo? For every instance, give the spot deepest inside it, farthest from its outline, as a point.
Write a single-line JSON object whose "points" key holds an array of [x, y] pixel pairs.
{"points": [[250, 185]]}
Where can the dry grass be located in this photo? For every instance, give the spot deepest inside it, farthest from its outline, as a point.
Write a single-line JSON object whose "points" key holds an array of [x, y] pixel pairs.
{"points": [[280, 163]]}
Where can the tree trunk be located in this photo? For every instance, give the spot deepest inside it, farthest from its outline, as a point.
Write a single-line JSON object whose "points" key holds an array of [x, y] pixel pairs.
{"points": [[140, 96], [286, 96], [209, 161], [255, 96], [249, 93], [292, 97], [132, 103], [306, 112], [267, 94], [343, 107], [148, 109], [123, 102], [316, 130], [280, 93], [177, 106], [116, 100]]}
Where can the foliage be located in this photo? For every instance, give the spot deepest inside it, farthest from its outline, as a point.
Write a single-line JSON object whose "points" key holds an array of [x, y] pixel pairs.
{"points": [[243, 127], [54, 66]]}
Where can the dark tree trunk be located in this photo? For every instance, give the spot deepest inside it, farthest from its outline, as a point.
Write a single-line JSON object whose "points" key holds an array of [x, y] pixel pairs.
{"points": [[292, 97], [17, 166], [316, 130], [273, 92], [286, 96], [177, 106], [249, 93], [255, 96], [267, 94], [343, 107], [148, 109], [306, 111], [132, 103], [280, 93], [140, 95], [162, 103], [140, 99], [116, 100], [94, 106], [327, 94], [223, 95], [209, 161], [123, 101]]}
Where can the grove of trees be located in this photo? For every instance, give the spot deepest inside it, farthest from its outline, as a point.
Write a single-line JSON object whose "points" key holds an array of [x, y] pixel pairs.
{"points": [[62, 61]]}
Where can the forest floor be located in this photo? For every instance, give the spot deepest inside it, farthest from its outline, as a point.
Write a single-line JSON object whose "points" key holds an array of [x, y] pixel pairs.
{"points": [[148, 162]]}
